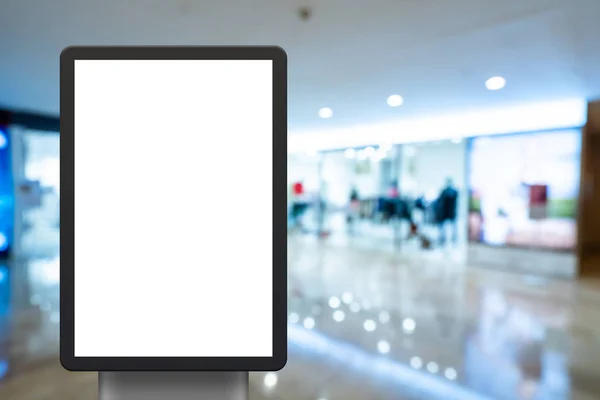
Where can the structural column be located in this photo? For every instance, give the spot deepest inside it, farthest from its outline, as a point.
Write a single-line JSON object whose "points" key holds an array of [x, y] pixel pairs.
{"points": [[588, 227]]}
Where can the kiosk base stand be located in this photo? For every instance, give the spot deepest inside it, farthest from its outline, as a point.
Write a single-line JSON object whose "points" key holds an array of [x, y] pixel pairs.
{"points": [[173, 386]]}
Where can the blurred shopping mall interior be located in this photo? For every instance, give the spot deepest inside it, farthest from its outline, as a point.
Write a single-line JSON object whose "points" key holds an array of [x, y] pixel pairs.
{"points": [[443, 220]]}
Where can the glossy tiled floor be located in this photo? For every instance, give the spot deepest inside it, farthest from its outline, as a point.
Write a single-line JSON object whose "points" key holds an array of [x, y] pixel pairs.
{"points": [[364, 324]]}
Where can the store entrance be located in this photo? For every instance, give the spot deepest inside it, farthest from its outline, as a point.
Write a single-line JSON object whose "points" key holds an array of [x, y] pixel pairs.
{"points": [[433, 189]]}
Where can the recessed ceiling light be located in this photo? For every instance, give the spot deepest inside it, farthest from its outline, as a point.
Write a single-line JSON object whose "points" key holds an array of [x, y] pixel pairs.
{"points": [[495, 83], [350, 153], [379, 155], [395, 100], [325, 112]]}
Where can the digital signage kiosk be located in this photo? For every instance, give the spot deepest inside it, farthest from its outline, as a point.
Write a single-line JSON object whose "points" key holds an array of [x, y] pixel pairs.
{"points": [[173, 216]]}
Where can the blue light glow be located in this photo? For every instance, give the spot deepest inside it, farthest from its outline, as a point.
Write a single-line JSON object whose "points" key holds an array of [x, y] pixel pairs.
{"points": [[3, 368], [433, 386], [3, 139], [3, 242]]}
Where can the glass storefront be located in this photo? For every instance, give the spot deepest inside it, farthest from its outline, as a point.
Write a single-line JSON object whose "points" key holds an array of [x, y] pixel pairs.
{"points": [[40, 235], [524, 190], [435, 198], [389, 196]]}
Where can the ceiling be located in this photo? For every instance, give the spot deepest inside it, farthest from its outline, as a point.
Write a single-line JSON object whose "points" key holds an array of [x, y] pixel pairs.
{"points": [[349, 56]]}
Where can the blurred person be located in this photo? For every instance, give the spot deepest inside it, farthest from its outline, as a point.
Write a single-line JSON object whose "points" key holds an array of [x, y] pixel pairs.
{"points": [[429, 200], [420, 209], [421, 203], [299, 205], [447, 204], [353, 208], [389, 207], [404, 211], [354, 197]]}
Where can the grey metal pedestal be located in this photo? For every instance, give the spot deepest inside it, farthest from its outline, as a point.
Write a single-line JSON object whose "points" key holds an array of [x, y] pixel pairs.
{"points": [[173, 385]]}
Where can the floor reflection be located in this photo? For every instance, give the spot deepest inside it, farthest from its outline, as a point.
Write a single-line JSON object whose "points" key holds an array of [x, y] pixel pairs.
{"points": [[512, 345], [29, 314], [366, 324], [498, 335]]}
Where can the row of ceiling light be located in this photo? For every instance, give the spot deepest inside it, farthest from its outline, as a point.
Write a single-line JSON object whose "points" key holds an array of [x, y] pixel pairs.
{"points": [[395, 100]]}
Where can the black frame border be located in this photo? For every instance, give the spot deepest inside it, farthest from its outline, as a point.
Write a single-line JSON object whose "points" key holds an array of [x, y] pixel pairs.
{"points": [[67, 206]]}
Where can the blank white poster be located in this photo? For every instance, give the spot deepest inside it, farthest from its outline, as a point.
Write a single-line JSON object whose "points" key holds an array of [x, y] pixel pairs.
{"points": [[173, 208]]}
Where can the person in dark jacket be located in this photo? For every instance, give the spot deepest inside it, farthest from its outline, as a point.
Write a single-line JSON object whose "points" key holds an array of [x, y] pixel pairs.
{"points": [[447, 205]]}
